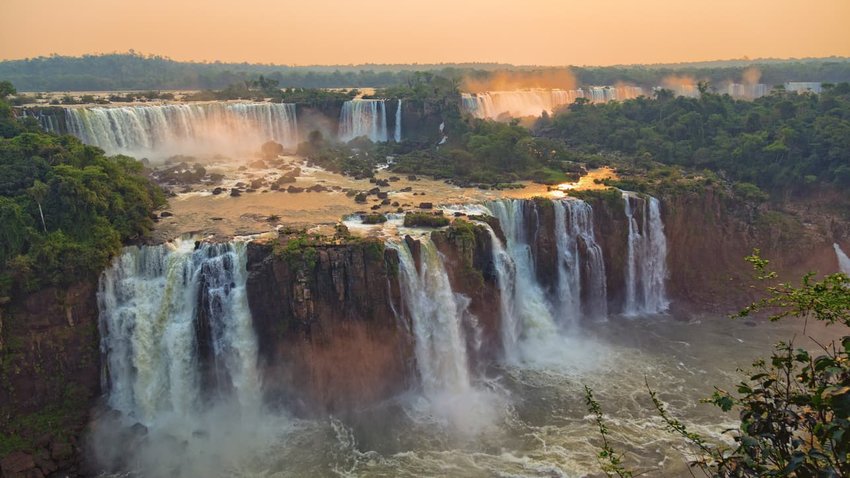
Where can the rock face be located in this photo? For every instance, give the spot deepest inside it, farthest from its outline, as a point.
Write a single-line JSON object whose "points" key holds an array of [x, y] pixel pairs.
{"points": [[539, 217], [420, 120], [709, 233], [328, 336], [49, 378]]}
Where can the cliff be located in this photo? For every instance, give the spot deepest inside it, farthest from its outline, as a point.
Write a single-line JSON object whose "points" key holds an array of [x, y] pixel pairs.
{"points": [[709, 232], [327, 335], [49, 379]]}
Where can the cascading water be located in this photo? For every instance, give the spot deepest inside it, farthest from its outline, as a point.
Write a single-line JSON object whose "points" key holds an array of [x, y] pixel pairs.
{"points": [[435, 317], [183, 128], [843, 260], [397, 135], [533, 102], [517, 103], [581, 267], [151, 302], [530, 308], [646, 262], [363, 118], [506, 277]]}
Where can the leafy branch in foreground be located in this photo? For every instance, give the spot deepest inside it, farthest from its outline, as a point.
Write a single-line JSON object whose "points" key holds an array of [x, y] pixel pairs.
{"points": [[827, 300], [794, 408], [609, 459]]}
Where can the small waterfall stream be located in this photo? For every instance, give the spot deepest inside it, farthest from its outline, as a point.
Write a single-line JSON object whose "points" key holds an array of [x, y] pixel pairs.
{"points": [[435, 314], [397, 135], [646, 269], [843, 260], [581, 267], [531, 310]]}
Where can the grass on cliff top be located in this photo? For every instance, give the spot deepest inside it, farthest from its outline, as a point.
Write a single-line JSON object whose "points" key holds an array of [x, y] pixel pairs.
{"points": [[425, 219], [301, 249]]}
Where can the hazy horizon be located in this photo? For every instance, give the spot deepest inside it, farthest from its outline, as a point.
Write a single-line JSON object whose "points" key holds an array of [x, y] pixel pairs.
{"points": [[534, 33], [742, 61]]}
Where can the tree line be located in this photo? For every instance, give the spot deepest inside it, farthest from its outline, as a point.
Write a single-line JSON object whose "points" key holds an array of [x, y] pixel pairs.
{"points": [[133, 71]]}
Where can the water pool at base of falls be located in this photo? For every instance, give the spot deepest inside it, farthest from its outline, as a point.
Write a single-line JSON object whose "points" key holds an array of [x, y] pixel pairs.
{"points": [[536, 423]]}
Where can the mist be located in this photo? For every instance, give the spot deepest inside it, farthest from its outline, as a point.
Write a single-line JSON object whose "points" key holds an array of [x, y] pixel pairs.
{"points": [[515, 80]]}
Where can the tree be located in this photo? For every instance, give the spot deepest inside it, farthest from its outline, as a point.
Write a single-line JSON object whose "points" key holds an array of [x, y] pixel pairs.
{"points": [[7, 89]]}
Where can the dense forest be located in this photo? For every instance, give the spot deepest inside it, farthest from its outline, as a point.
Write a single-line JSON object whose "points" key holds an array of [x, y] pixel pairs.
{"points": [[133, 71], [783, 142], [65, 207]]}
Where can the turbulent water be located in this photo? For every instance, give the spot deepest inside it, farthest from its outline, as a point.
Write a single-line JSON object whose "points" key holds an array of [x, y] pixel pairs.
{"points": [[165, 130], [364, 118], [180, 357]]}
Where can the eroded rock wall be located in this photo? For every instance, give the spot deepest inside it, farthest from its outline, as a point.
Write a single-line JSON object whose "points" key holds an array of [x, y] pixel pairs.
{"points": [[49, 379]]}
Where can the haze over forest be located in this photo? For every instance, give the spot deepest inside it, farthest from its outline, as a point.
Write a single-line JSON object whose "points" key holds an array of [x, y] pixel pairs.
{"points": [[536, 32]]}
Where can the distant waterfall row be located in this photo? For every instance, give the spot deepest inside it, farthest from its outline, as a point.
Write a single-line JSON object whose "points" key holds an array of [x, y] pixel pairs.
{"points": [[182, 128], [368, 118], [519, 103], [176, 329]]}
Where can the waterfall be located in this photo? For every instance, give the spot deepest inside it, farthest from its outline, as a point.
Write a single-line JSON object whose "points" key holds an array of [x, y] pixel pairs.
{"points": [[843, 260], [533, 102], [530, 307], [646, 268], [151, 304], [435, 314], [183, 128], [506, 279], [581, 288], [397, 136], [363, 118]]}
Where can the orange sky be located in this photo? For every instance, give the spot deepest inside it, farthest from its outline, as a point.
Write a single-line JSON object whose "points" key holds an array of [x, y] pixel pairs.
{"points": [[544, 32]]}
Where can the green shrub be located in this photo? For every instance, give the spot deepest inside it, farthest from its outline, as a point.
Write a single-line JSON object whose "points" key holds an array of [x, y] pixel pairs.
{"points": [[375, 218], [424, 219]]}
